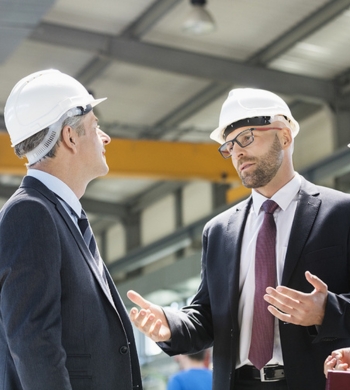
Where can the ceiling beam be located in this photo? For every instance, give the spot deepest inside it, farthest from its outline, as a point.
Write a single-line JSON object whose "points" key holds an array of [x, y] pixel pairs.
{"points": [[134, 31], [170, 277], [155, 193], [302, 30], [187, 109], [149, 18], [185, 63], [6, 191], [104, 208], [17, 19], [93, 69], [273, 50], [179, 239]]}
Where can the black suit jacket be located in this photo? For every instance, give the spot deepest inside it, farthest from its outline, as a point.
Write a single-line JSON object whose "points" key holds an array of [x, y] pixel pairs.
{"points": [[59, 329], [319, 243]]}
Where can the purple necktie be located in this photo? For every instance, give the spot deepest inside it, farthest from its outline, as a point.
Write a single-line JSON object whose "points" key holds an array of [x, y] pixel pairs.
{"points": [[261, 347]]}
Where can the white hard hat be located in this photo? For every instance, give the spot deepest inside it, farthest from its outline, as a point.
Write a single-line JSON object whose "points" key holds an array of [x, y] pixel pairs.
{"points": [[41, 99], [245, 103]]}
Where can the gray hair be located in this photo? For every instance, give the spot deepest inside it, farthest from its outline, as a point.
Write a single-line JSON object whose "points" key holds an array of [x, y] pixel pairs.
{"points": [[32, 142]]}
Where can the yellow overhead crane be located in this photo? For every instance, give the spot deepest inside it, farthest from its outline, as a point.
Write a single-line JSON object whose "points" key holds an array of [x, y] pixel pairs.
{"points": [[162, 160]]}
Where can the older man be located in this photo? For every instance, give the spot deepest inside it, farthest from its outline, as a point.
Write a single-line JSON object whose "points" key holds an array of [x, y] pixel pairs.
{"points": [[63, 325]]}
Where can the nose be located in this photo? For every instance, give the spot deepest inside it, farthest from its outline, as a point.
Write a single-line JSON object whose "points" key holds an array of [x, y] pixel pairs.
{"points": [[106, 139], [237, 151]]}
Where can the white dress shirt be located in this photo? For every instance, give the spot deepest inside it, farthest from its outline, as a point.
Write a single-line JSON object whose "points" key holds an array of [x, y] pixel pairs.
{"points": [[64, 194], [286, 198]]}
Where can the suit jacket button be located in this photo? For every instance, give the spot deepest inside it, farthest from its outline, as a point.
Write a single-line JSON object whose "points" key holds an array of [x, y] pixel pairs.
{"points": [[123, 350]]}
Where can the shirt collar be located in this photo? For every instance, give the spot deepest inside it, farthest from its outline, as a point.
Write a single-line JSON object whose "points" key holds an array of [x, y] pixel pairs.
{"points": [[283, 197], [58, 187]]}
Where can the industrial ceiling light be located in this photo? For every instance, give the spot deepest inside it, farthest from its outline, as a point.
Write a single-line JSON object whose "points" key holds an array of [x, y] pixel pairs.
{"points": [[199, 20]]}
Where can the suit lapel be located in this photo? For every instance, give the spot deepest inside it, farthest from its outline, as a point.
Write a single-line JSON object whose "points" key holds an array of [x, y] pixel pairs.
{"points": [[304, 219], [37, 185], [233, 245], [85, 250]]}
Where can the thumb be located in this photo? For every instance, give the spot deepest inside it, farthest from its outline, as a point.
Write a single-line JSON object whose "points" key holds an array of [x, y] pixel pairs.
{"points": [[138, 300], [318, 284]]}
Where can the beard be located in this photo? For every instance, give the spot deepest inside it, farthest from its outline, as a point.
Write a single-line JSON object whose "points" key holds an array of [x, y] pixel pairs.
{"points": [[266, 167]]}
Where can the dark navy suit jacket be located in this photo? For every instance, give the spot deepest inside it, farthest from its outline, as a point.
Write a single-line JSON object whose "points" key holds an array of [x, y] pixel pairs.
{"points": [[319, 242], [59, 329]]}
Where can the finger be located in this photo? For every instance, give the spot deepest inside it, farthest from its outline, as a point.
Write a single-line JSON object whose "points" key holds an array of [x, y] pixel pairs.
{"points": [[279, 304], [342, 366], [138, 317], [329, 365], [282, 293], [318, 284], [138, 299], [277, 298], [147, 322], [338, 354], [133, 314], [281, 316], [155, 330]]}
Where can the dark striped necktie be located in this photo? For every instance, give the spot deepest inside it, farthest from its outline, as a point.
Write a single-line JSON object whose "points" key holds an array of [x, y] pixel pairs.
{"points": [[89, 239]]}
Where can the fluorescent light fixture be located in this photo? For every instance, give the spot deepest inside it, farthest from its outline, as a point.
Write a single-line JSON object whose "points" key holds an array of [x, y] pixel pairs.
{"points": [[199, 20]]}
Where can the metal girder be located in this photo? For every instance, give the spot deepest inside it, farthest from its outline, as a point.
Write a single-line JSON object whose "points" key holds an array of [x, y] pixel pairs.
{"points": [[303, 29], [131, 158], [6, 191], [149, 18], [157, 192], [170, 277], [187, 109], [302, 110], [138, 28], [107, 209], [179, 239], [17, 19], [94, 68], [140, 257], [333, 166], [184, 62]]}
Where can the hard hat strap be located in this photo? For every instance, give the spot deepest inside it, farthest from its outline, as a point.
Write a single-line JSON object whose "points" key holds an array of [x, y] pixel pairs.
{"points": [[53, 134], [47, 143]]}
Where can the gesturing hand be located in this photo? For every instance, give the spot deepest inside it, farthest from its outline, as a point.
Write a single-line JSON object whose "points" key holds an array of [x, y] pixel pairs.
{"points": [[338, 360], [150, 320], [296, 307]]}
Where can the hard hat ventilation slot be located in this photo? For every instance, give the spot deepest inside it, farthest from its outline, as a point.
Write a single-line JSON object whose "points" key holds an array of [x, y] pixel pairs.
{"points": [[47, 143]]}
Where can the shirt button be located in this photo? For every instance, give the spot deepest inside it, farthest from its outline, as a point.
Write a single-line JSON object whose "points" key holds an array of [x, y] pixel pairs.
{"points": [[123, 350]]}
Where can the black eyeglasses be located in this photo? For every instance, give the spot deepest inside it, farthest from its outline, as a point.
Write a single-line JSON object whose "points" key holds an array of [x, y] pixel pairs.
{"points": [[243, 139]]}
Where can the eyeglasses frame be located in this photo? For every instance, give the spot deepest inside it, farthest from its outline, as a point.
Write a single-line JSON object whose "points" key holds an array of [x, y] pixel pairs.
{"points": [[234, 140]]}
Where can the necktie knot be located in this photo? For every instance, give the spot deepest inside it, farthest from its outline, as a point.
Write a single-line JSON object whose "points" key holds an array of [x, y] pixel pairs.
{"points": [[269, 206]]}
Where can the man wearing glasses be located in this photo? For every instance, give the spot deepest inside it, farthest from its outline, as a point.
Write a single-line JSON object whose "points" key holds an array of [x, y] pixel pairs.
{"points": [[289, 233]]}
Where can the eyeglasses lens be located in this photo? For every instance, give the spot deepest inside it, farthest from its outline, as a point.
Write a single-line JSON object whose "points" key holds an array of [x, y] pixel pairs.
{"points": [[243, 139]]}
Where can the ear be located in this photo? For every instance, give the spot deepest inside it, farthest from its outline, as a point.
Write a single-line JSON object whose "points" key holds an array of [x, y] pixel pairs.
{"points": [[286, 137], [69, 137]]}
